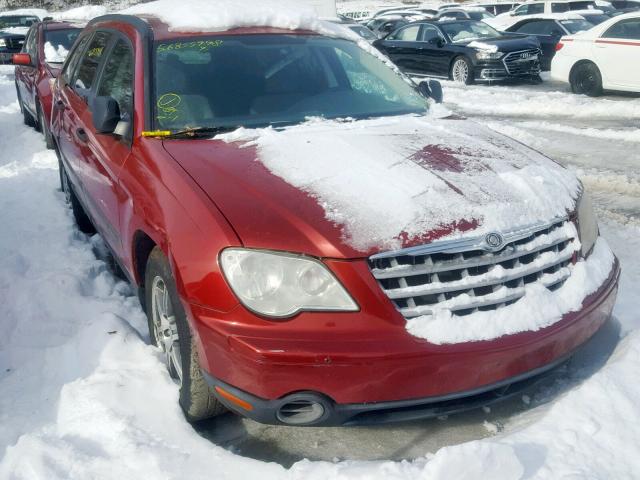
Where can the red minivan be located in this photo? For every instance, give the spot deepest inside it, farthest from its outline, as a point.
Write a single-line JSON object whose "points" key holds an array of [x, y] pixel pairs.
{"points": [[37, 67], [313, 244]]}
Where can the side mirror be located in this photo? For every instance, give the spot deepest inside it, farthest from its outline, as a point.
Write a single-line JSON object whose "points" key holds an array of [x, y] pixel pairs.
{"points": [[106, 114], [22, 59], [437, 41], [431, 89]]}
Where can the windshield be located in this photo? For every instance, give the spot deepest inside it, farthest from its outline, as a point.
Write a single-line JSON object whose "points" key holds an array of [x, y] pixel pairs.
{"points": [[17, 21], [259, 80], [597, 18], [479, 15], [57, 43], [364, 32], [575, 26], [460, 32]]}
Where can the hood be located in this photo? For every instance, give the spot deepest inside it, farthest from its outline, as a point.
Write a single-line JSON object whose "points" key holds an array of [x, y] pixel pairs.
{"points": [[509, 42], [14, 32], [351, 189]]}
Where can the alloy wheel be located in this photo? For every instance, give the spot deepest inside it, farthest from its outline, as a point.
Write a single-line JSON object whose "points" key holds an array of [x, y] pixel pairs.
{"points": [[165, 329], [460, 71]]}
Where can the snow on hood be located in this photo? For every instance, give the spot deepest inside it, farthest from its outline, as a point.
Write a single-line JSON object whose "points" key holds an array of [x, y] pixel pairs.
{"points": [[16, 30], [391, 181], [485, 47], [55, 55]]}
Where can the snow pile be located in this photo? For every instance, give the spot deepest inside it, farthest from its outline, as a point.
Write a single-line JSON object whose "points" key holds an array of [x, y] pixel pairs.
{"points": [[84, 13], [539, 308], [53, 54], [389, 179]]}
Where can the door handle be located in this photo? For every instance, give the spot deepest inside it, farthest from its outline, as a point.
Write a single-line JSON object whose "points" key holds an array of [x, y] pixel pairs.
{"points": [[82, 135]]}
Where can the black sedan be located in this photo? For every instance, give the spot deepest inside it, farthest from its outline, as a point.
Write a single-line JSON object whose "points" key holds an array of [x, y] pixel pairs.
{"points": [[462, 50], [548, 31]]}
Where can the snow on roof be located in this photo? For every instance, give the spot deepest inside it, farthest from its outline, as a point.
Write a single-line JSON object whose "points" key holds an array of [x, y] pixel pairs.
{"points": [[552, 16], [85, 13], [36, 12], [221, 15]]}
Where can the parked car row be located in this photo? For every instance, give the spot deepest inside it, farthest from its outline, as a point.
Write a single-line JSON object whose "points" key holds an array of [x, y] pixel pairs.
{"points": [[278, 303]]}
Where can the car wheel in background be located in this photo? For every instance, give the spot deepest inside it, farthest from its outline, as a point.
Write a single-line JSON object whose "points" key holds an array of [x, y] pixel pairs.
{"points": [[82, 220], [44, 127], [586, 79], [169, 331], [28, 120], [462, 71]]}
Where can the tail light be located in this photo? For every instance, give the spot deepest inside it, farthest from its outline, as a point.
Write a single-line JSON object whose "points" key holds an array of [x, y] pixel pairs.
{"points": [[559, 46]]}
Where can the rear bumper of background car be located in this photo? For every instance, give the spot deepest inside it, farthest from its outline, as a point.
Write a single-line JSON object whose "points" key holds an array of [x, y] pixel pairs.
{"points": [[391, 378]]}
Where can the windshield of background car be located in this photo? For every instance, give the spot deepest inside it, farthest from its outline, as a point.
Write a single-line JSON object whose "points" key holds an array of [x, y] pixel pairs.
{"points": [[461, 32], [364, 32], [575, 26], [259, 80], [17, 21], [58, 43], [480, 15]]}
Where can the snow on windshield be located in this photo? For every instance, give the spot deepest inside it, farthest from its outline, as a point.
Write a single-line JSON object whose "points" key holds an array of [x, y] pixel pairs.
{"points": [[390, 178], [55, 54]]}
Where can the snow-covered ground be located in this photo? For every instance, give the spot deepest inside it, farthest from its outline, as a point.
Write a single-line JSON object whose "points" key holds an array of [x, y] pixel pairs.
{"points": [[82, 394]]}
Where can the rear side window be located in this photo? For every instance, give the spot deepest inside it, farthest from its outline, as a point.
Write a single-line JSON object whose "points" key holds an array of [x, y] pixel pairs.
{"points": [[544, 27], [409, 34], [117, 78], [86, 73], [627, 29]]}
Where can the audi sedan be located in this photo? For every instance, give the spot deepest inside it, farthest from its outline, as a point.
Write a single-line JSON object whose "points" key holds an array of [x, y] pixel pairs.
{"points": [[465, 51]]}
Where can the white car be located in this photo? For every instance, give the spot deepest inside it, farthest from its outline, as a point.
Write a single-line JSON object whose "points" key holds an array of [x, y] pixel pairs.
{"points": [[605, 57], [538, 7]]}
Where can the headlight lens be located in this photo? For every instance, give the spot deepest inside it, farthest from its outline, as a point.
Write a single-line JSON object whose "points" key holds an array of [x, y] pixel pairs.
{"points": [[281, 285], [486, 55], [587, 224], [3, 42]]}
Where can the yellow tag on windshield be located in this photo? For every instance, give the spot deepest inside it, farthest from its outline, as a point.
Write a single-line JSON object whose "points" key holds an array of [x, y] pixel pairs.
{"points": [[157, 133]]}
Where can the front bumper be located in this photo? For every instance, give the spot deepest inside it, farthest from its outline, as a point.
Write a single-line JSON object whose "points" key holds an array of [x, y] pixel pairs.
{"points": [[388, 376], [496, 70]]}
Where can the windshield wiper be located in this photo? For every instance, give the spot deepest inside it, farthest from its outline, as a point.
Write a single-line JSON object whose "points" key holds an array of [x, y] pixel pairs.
{"points": [[195, 132]]}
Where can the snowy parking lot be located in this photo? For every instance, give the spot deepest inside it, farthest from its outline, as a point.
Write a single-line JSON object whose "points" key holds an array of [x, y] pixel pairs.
{"points": [[83, 395]]}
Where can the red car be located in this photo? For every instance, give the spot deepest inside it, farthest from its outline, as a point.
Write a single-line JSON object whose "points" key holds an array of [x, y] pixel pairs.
{"points": [[277, 285], [37, 67]]}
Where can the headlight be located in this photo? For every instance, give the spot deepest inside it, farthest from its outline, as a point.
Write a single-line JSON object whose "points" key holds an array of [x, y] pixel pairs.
{"points": [[3, 42], [587, 224], [485, 55], [281, 285]]}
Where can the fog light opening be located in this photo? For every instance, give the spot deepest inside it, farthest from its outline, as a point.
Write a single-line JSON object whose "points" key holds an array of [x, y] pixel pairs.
{"points": [[300, 412]]}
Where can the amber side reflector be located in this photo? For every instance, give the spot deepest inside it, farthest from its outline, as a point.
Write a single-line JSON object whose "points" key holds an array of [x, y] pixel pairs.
{"points": [[233, 399]]}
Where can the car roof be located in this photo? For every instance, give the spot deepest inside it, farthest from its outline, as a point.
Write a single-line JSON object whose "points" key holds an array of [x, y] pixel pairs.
{"points": [[553, 16], [63, 24]]}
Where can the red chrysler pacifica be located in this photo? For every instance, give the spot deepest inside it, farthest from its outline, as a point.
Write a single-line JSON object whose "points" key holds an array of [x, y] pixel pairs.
{"points": [[312, 243]]}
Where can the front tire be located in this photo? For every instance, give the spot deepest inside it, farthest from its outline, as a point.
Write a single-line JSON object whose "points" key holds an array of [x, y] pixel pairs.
{"points": [[169, 330], [586, 80], [462, 71]]}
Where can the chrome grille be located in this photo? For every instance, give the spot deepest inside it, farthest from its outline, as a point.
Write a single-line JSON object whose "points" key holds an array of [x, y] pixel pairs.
{"points": [[523, 62], [464, 277]]}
